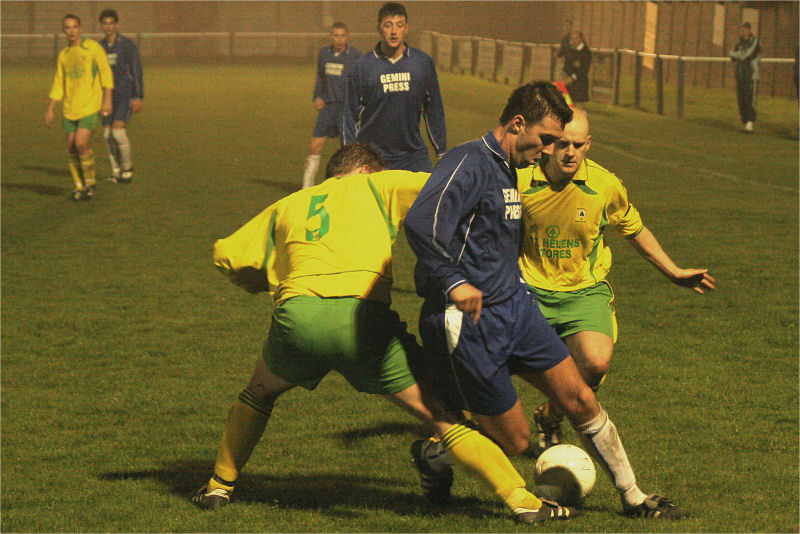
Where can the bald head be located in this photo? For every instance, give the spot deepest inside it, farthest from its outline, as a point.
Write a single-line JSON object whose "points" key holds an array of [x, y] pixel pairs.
{"points": [[570, 150]]}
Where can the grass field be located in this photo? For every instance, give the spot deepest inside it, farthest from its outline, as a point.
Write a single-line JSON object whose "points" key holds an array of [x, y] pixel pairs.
{"points": [[122, 348]]}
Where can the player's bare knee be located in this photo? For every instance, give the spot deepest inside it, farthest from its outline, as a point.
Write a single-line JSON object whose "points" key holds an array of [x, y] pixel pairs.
{"points": [[516, 444]]}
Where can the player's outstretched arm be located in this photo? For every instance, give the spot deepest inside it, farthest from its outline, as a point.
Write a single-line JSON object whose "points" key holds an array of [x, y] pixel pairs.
{"points": [[650, 249]]}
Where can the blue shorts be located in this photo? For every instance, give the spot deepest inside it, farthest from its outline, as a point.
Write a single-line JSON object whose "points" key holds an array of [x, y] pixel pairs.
{"points": [[470, 366], [121, 105], [414, 162], [329, 121]]}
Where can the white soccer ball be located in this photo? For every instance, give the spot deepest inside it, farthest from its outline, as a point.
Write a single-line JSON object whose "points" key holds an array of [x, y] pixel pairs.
{"points": [[565, 474]]}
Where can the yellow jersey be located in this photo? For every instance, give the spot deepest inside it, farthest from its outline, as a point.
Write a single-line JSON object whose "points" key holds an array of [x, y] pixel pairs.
{"points": [[331, 240], [563, 245], [82, 72]]}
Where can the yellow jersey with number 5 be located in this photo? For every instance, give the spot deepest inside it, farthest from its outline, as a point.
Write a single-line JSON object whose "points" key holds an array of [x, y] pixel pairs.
{"points": [[564, 247], [331, 240]]}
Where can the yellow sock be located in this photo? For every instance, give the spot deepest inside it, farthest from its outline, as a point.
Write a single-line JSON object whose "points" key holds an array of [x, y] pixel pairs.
{"points": [[481, 457], [87, 166], [75, 170], [246, 422]]}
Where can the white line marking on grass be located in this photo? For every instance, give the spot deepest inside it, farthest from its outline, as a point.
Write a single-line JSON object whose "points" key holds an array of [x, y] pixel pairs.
{"points": [[726, 176]]}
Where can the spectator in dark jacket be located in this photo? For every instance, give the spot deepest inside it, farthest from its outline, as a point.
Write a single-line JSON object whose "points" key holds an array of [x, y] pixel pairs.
{"points": [[577, 60], [746, 54]]}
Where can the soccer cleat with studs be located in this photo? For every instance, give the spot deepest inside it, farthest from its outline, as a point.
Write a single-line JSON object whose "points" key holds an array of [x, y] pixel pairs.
{"points": [[548, 430], [548, 511], [436, 484], [656, 507], [209, 500]]}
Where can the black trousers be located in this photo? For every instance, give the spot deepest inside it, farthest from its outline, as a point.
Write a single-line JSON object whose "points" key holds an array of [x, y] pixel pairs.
{"points": [[746, 93]]}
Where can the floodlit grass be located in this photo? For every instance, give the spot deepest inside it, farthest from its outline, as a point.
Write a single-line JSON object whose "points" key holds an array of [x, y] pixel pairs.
{"points": [[122, 348]]}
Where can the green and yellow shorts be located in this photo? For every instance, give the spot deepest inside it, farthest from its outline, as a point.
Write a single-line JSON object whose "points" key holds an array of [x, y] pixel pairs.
{"points": [[90, 122], [589, 309], [362, 340]]}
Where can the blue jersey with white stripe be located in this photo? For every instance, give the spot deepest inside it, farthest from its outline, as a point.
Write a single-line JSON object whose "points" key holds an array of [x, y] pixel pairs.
{"points": [[332, 68], [123, 57], [465, 225], [385, 100]]}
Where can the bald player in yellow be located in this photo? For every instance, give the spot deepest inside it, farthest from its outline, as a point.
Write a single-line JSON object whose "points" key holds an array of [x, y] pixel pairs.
{"points": [[568, 203], [326, 260], [83, 83]]}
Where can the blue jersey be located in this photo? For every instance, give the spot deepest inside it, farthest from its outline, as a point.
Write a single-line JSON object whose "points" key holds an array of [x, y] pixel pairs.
{"points": [[123, 57], [332, 68], [465, 225], [385, 100]]}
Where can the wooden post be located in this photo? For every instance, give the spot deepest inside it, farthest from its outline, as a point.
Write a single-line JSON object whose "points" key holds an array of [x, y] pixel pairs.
{"points": [[659, 85], [637, 82], [681, 80], [617, 68]]}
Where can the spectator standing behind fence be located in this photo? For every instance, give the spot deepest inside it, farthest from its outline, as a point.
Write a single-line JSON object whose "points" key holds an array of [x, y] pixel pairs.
{"points": [[577, 60], [332, 66], [746, 54]]}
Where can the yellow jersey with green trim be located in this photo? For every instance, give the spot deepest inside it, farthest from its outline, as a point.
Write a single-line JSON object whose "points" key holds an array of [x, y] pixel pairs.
{"points": [[331, 240], [563, 245], [82, 72]]}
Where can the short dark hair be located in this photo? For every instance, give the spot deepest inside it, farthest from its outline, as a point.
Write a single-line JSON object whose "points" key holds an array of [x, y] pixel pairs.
{"points": [[350, 157], [71, 16], [390, 9], [108, 13], [746, 25], [339, 25], [534, 101]]}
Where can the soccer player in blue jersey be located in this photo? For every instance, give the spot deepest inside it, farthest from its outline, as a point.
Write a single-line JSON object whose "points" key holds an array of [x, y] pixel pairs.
{"points": [[332, 66], [123, 56], [388, 90], [479, 324]]}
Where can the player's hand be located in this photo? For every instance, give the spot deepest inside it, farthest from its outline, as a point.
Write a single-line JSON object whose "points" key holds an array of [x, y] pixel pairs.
{"points": [[319, 104], [697, 279], [136, 105], [468, 299], [105, 111], [48, 118]]}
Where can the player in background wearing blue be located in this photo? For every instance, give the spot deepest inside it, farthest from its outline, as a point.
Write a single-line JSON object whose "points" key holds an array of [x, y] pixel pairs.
{"points": [[480, 325], [83, 83], [332, 66], [569, 203], [388, 90], [123, 56]]}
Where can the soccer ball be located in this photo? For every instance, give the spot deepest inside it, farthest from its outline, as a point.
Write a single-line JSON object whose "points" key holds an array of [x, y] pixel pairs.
{"points": [[565, 474]]}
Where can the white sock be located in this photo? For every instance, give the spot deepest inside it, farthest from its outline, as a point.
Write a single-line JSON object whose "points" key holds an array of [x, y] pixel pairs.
{"points": [[601, 440], [112, 151], [124, 145], [310, 172]]}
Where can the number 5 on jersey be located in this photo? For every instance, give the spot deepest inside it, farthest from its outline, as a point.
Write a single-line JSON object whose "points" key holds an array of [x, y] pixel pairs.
{"points": [[317, 222]]}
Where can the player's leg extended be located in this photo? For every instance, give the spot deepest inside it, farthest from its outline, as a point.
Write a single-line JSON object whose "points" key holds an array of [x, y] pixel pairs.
{"points": [[483, 458], [244, 427], [119, 132], [312, 161], [566, 389]]}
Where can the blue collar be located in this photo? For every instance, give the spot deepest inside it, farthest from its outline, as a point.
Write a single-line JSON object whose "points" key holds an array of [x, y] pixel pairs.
{"points": [[379, 54], [494, 146]]}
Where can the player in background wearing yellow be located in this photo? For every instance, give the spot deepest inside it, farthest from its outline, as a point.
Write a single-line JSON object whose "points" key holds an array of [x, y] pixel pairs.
{"points": [[328, 267], [568, 203], [84, 82]]}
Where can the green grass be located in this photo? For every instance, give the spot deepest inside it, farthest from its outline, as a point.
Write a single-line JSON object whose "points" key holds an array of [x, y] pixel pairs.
{"points": [[122, 348]]}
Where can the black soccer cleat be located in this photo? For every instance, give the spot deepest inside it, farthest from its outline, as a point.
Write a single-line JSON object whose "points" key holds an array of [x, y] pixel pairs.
{"points": [[210, 500], [656, 507], [436, 484], [548, 430], [548, 511]]}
